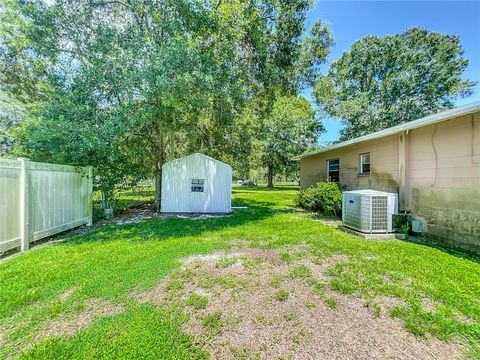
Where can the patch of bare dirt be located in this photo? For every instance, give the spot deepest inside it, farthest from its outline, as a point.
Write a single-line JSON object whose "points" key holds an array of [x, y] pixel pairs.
{"points": [[319, 268], [94, 309], [430, 304], [131, 215], [67, 293], [256, 307], [388, 303], [5, 330], [256, 253], [300, 250]]}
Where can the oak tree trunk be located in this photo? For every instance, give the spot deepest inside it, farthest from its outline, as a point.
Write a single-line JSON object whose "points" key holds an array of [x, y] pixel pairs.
{"points": [[270, 176], [158, 174]]}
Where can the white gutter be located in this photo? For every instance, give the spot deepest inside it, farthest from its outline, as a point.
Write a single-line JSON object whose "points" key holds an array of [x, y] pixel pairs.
{"points": [[427, 120]]}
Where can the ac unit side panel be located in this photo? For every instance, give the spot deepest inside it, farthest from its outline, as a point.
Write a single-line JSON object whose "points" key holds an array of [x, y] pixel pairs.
{"points": [[356, 212]]}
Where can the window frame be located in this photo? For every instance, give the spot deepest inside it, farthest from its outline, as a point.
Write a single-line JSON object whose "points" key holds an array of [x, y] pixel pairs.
{"points": [[329, 178], [361, 163], [197, 185]]}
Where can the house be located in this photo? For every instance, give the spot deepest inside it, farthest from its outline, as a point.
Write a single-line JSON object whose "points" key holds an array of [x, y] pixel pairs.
{"points": [[196, 184], [433, 163]]}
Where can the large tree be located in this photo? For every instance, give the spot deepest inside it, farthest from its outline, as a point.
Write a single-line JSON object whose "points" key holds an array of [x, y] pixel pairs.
{"points": [[11, 113], [174, 73], [148, 74], [291, 65], [385, 81], [72, 129], [289, 129]]}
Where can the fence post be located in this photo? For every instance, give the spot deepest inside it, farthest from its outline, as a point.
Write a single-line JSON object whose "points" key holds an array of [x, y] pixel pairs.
{"points": [[24, 203], [90, 196]]}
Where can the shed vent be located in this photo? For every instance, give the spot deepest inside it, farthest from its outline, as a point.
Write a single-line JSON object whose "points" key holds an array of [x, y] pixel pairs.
{"points": [[369, 211]]}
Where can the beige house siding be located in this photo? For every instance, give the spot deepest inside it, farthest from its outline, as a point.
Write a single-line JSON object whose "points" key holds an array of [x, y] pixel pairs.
{"points": [[441, 178], [383, 166]]}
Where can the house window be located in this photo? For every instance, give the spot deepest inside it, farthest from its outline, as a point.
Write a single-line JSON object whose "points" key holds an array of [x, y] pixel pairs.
{"points": [[365, 163], [198, 185], [333, 170]]}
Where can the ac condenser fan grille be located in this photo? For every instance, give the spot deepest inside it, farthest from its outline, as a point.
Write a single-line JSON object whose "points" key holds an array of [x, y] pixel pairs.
{"points": [[379, 213]]}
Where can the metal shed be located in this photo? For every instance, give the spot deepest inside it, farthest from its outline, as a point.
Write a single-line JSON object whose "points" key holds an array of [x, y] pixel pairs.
{"points": [[196, 184]]}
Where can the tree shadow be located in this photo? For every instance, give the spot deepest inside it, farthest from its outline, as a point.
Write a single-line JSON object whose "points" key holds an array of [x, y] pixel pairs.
{"points": [[254, 203], [178, 227]]}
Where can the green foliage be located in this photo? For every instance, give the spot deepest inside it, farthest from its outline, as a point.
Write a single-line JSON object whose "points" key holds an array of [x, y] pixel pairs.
{"points": [[287, 130], [405, 229], [384, 81], [325, 198], [76, 135], [279, 123], [127, 86], [290, 316], [11, 113]]}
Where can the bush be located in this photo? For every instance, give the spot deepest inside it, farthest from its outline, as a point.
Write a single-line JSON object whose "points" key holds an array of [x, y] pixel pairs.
{"points": [[325, 198]]}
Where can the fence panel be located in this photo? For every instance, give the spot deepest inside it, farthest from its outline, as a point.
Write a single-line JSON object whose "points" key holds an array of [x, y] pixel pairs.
{"points": [[9, 204], [38, 200]]}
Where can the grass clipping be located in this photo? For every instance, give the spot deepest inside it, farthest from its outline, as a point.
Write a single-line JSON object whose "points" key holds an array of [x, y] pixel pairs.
{"points": [[252, 303]]}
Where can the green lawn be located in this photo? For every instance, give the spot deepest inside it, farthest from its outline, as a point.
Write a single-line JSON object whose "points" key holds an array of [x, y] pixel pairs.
{"points": [[112, 262]]}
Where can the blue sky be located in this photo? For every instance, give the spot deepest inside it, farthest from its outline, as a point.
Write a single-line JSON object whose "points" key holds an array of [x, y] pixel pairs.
{"points": [[351, 20]]}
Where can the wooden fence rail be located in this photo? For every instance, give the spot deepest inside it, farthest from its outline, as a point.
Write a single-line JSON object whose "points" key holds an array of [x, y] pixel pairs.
{"points": [[38, 200]]}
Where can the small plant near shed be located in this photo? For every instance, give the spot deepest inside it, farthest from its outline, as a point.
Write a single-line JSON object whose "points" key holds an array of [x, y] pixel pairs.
{"points": [[325, 198], [405, 229]]}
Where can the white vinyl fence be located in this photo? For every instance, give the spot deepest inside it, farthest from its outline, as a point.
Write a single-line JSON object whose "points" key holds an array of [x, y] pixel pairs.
{"points": [[38, 200]]}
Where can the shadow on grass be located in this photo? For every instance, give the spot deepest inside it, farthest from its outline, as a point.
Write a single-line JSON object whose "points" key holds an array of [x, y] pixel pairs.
{"points": [[258, 204], [169, 228], [250, 189], [436, 244]]}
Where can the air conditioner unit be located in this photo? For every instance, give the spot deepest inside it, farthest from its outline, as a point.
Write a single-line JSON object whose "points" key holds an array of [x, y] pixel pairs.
{"points": [[369, 211]]}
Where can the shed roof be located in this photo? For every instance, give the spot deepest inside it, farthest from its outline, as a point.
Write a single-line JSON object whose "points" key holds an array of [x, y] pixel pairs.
{"points": [[427, 120], [197, 154]]}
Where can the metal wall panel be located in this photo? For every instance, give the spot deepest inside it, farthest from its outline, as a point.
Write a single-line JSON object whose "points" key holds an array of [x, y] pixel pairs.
{"points": [[177, 178]]}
